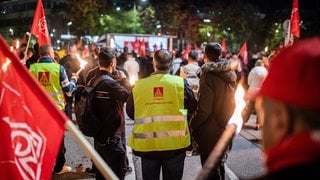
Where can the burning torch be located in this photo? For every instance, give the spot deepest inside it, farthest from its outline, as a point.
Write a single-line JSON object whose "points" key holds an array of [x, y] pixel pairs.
{"points": [[82, 62], [233, 127]]}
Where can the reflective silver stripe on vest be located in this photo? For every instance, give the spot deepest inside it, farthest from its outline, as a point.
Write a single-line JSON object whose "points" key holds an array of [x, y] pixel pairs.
{"points": [[160, 118], [61, 102], [60, 93], [161, 134]]}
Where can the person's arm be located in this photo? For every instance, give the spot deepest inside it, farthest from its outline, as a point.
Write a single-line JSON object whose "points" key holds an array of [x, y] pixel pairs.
{"points": [[190, 102], [67, 86], [204, 109], [130, 107]]}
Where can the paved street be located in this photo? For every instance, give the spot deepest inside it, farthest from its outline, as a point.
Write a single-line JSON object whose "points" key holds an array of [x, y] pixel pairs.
{"points": [[244, 161]]}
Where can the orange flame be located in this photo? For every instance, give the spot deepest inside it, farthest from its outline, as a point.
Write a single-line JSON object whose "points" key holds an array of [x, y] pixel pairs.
{"points": [[83, 63], [133, 79], [236, 117]]}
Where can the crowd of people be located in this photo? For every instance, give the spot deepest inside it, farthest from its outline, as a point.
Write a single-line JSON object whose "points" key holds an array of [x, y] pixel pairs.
{"points": [[180, 101]]}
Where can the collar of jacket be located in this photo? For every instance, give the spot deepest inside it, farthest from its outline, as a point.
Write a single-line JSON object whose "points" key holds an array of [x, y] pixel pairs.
{"points": [[161, 72], [45, 59]]}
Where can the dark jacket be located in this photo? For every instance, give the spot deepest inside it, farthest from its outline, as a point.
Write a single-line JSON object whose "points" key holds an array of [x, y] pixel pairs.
{"points": [[190, 103], [71, 65], [109, 105], [215, 107]]}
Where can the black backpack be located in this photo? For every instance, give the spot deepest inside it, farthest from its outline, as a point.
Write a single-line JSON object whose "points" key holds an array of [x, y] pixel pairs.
{"points": [[89, 124]]}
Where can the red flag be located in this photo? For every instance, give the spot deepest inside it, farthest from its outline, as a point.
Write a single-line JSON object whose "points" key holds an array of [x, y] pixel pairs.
{"points": [[39, 25], [196, 47], [142, 50], [244, 53], [223, 45], [187, 49], [31, 125], [295, 20]]}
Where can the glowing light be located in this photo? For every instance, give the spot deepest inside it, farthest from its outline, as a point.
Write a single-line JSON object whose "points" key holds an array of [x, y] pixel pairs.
{"points": [[17, 44], [83, 63], [133, 79], [5, 65], [236, 117]]}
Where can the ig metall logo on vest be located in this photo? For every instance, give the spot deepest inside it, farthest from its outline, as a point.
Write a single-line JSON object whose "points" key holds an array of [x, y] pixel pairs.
{"points": [[158, 92]]}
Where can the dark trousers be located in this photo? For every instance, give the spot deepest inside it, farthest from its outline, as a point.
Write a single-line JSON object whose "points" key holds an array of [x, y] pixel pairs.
{"points": [[68, 108], [60, 157], [113, 153], [172, 168], [215, 174]]}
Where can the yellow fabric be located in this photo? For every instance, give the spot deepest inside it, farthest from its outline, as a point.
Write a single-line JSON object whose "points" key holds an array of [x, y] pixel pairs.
{"points": [[160, 120], [48, 75]]}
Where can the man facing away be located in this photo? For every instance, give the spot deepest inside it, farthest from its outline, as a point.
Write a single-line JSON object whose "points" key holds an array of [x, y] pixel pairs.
{"points": [[112, 93], [215, 106], [52, 76], [159, 105], [289, 103]]}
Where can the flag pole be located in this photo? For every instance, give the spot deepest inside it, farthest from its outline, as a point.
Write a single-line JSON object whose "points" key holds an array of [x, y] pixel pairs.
{"points": [[26, 51], [89, 150]]}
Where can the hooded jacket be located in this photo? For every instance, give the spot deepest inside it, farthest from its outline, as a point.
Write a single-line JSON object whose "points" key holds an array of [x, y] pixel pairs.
{"points": [[215, 107]]}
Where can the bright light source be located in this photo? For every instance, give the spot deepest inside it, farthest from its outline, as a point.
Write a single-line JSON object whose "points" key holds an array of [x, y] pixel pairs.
{"points": [[207, 20]]}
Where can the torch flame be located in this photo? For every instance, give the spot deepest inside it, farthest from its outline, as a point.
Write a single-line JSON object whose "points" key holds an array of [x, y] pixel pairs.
{"points": [[133, 79], [82, 62], [236, 117]]}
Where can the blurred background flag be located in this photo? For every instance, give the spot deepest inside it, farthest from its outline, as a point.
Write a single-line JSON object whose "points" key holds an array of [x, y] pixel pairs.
{"points": [[295, 20], [39, 25], [31, 126], [244, 53], [223, 45]]}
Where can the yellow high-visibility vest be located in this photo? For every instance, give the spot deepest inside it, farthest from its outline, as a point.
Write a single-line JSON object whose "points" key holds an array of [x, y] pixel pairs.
{"points": [[48, 75], [160, 122]]}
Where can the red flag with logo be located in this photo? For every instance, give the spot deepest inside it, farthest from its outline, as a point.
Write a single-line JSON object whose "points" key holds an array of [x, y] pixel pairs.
{"points": [[223, 45], [295, 19], [31, 125], [39, 25], [244, 53]]}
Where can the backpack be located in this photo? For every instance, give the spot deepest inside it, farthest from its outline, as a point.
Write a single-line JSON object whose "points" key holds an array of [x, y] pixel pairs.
{"points": [[89, 124]]}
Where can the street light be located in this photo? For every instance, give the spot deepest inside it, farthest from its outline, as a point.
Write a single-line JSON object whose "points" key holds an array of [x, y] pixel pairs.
{"points": [[135, 12], [68, 26], [11, 31]]}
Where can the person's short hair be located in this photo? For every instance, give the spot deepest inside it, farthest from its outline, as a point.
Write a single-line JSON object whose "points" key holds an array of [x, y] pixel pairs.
{"points": [[259, 63], [45, 50], [193, 55], [106, 56], [163, 60], [212, 51]]}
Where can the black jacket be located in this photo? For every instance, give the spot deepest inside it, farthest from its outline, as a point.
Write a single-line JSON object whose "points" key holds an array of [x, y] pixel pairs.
{"points": [[111, 96]]}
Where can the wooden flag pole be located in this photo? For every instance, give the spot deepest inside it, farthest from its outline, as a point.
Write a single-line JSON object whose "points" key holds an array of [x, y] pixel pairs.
{"points": [[90, 151], [26, 51]]}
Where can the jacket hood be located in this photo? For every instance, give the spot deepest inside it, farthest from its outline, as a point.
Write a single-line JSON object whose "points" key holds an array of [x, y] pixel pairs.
{"points": [[222, 68]]}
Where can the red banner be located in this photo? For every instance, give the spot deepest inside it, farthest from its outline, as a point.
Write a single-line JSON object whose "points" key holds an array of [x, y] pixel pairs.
{"points": [[31, 125], [295, 19], [244, 53], [39, 25]]}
